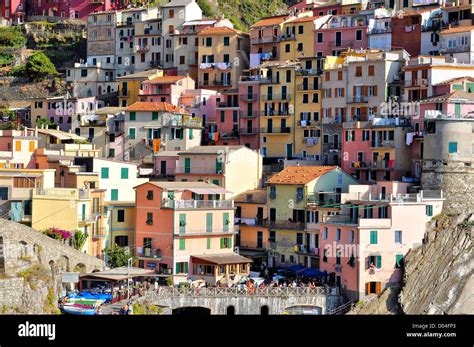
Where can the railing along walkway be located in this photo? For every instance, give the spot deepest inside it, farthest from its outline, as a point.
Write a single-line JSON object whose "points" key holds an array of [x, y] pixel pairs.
{"points": [[163, 293]]}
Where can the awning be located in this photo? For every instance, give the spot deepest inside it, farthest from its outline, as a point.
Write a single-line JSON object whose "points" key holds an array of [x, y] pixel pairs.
{"points": [[295, 268], [220, 259], [209, 190], [309, 272], [253, 253]]}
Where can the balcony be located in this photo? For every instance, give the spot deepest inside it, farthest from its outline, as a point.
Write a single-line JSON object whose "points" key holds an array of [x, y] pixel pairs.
{"points": [[84, 219], [310, 72], [141, 49], [329, 199], [155, 91], [211, 66], [271, 97], [229, 134], [307, 123], [342, 44], [357, 99], [269, 80], [229, 230], [216, 83], [263, 40], [284, 130], [276, 113], [383, 144], [418, 82], [287, 37], [155, 63], [226, 104], [283, 224], [101, 211], [248, 97], [150, 253], [199, 169], [248, 114], [198, 204], [455, 49], [372, 165], [342, 219], [248, 131], [307, 87], [384, 30], [307, 250]]}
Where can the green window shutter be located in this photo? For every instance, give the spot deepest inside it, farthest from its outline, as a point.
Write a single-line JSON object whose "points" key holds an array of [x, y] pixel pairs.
{"points": [[178, 268], [131, 133], [124, 173], [209, 222], [186, 267], [399, 260], [191, 134], [182, 223], [226, 221], [216, 182], [104, 172], [208, 243], [133, 116], [429, 210], [171, 195], [452, 147], [114, 194], [181, 134], [373, 237], [218, 165], [222, 242], [182, 244], [470, 87], [379, 262], [187, 165], [83, 211], [230, 242], [458, 87], [154, 116]]}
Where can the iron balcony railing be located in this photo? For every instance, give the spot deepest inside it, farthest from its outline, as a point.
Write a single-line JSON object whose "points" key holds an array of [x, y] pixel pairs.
{"points": [[283, 224], [284, 130], [154, 253], [248, 97], [248, 114], [309, 87], [203, 231], [270, 97], [194, 204], [248, 131]]}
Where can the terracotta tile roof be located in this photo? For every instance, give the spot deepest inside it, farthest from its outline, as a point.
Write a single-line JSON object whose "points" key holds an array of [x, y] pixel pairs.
{"points": [[221, 31], [271, 21], [299, 174], [165, 79], [155, 106], [455, 79], [304, 19], [460, 29], [454, 95]]}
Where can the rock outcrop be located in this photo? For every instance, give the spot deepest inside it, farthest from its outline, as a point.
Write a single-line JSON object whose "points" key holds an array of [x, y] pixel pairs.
{"points": [[438, 275]]}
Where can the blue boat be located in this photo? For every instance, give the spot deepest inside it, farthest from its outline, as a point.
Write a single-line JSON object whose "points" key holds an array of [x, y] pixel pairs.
{"points": [[79, 309]]}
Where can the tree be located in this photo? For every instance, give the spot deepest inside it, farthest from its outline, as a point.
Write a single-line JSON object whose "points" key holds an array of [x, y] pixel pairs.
{"points": [[118, 256], [46, 122], [38, 68]]}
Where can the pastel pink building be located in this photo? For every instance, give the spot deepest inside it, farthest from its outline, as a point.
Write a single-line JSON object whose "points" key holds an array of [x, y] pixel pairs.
{"points": [[165, 89], [78, 9], [249, 122], [340, 33], [184, 229], [226, 124], [364, 246], [17, 149], [13, 11], [165, 164]]}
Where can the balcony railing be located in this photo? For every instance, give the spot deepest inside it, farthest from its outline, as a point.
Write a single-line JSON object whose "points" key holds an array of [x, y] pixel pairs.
{"points": [[271, 97], [307, 250], [149, 253], [155, 63], [283, 224], [140, 49], [226, 104], [248, 114], [260, 40], [285, 130], [377, 164], [276, 113], [194, 204], [383, 144], [287, 37], [216, 83], [248, 97], [220, 66], [230, 230], [357, 99], [417, 82], [309, 87], [310, 72], [341, 219], [248, 131], [343, 43]]}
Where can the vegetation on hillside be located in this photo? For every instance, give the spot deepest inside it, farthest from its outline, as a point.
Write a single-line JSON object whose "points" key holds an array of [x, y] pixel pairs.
{"points": [[118, 256], [242, 13], [38, 68]]}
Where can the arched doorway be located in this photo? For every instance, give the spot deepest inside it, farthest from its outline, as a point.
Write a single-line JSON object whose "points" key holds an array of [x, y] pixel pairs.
{"points": [[80, 268], [231, 311], [264, 310]]}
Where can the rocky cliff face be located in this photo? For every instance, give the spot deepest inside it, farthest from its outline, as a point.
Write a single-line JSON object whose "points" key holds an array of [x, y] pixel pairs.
{"points": [[438, 275]]}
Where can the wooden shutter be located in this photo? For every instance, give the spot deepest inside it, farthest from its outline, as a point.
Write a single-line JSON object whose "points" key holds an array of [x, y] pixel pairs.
{"points": [[209, 222], [178, 268], [374, 89], [186, 267], [225, 218], [182, 222], [367, 288], [378, 288], [379, 262], [354, 91], [342, 92]]}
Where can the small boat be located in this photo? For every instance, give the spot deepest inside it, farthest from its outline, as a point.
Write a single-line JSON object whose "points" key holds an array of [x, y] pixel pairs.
{"points": [[79, 309]]}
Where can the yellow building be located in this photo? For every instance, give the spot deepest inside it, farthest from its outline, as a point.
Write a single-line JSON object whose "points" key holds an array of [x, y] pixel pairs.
{"points": [[71, 209], [222, 56], [297, 37], [121, 224], [129, 85], [308, 129], [277, 110], [291, 213]]}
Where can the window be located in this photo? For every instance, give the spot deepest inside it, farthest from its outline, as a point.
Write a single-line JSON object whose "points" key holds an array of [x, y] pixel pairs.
{"points": [[83, 73], [320, 38], [282, 258], [182, 244], [208, 222], [154, 116], [399, 261], [104, 172], [208, 41], [182, 223], [171, 13], [131, 133], [149, 218], [358, 72], [358, 35], [325, 233], [133, 116], [429, 210], [371, 70], [120, 216], [272, 192], [149, 195], [114, 194], [398, 236], [375, 260], [208, 243], [182, 267], [272, 236], [300, 29], [338, 234], [226, 242], [351, 236], [226, 41], [287, 48], [452, 147], [124, 173], [373, 237]]}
